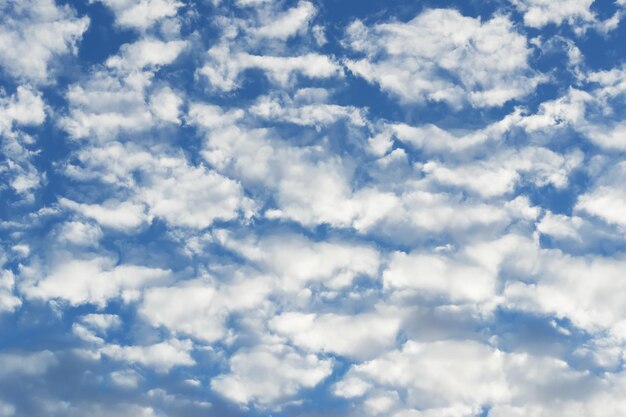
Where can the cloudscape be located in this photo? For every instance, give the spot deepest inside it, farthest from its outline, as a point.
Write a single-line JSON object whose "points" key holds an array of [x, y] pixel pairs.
{"points": [[299, 208]]}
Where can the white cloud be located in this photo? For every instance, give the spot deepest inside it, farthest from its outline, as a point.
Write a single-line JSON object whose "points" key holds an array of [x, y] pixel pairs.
{"points": [[211, 116], [16, 364], [433, 139], [247, 3], [608, 83], [165, 104], [302, 112], [469, 275], [429, 211], [585, 289], [120, 99], [33, 33], [200, 308], [461, 378], [102, 322], [606, 199], [86, 335], [381, 403], [93, 281], [500, 173], [146, 52], [25, 108], [94, 409], [419, 60], [287, 23], [539, 13], [546, 387], [437, 374], [312, 186], [162, 356], [437, 275], [81, 234], [611, 136], [355, 336], [298, 262], [560, 226], [105, 105], [9, 302], [268, 374], [193, 196], [224, 67], [171, 189], [608, 203], [568, 110], [126, 379], [117, 215], [142, 14]]}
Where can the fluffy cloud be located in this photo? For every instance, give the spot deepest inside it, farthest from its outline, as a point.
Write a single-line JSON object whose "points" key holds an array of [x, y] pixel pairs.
{"points": [[107, 105], [461, 378], [16, 364], [126, 379], [359, 336], [444, 56], [267, 374], [95, 281], [194, 196], [286, 24], [146, 53], [118, 100], [171, 189], [113, 214], [470, 275], [165, 104], [161, 356], [437, 275], [225, 66], [33, 33], [585, 290], [499, 175], [298, 262], [23, 109], [142, 14], [538, 13], [199, 308], [606, 199], [308, 109], [560, 226], [8, 301], [312, 187], [102, 322], [432, 139], [447, 373], [83, 234]]}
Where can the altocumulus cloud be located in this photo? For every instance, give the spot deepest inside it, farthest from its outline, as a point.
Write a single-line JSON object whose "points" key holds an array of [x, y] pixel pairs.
{"points": [[297, 208]]}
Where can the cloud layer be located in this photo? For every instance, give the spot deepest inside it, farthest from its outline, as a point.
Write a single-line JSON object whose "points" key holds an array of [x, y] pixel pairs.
{"points": [[295, 208]]}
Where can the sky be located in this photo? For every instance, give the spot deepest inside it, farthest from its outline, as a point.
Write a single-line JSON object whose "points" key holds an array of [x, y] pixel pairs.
{"points": [[294, 208]]}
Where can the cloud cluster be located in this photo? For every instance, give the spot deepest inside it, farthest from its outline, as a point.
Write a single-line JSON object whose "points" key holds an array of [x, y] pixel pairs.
{"points": [[443, 56], [275, 208]]}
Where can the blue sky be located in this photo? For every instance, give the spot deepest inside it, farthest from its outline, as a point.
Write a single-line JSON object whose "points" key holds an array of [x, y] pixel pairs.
{"points": [[297, 208]]}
